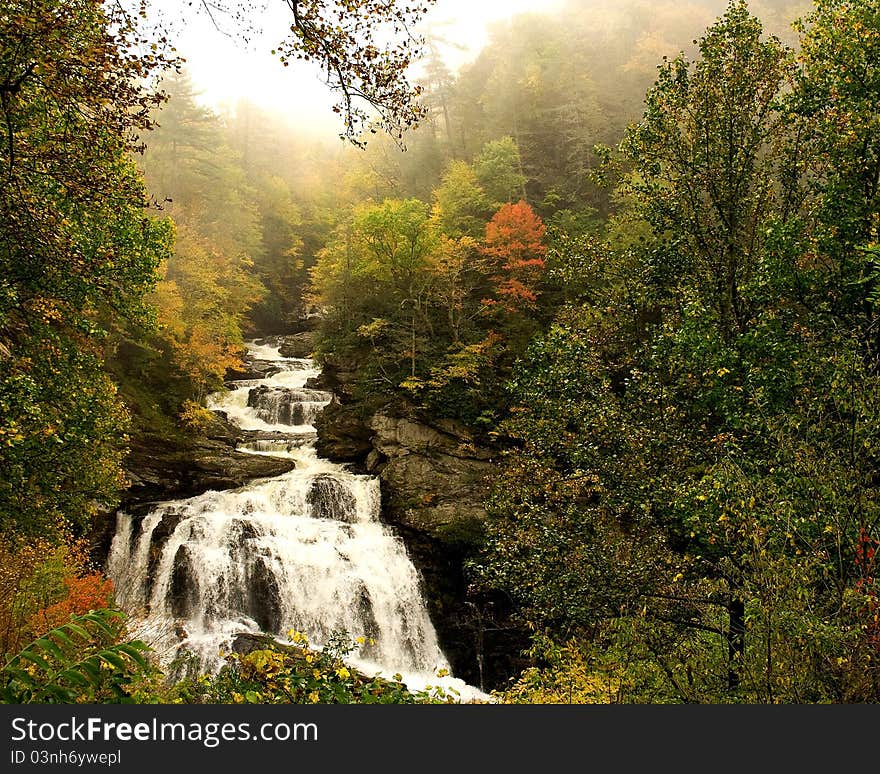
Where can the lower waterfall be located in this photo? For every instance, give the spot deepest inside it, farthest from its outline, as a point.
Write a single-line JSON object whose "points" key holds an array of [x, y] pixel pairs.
{"points": [[303, 551]]}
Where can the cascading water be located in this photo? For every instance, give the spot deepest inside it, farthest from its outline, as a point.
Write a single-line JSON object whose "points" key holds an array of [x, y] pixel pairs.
{"points": [[302, 551]]}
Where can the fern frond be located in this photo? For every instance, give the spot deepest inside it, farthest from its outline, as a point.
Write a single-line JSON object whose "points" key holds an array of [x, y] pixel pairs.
{"points": [[79, 658]]}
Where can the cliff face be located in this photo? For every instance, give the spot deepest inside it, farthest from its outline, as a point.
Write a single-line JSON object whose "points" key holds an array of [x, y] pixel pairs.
{"points": [[435, 476]]}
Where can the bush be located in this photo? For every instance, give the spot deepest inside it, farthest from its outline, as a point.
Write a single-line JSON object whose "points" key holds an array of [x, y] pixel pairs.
{"points": [[301, 674]]}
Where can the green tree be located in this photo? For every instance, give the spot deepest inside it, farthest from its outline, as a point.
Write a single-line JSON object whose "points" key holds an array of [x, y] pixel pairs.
{"points": [[374, 280], [835, 95], [834, 102], [461, 208], [280, 263], [708, 432], [399, 240], [709, 153], [499, 171], [77, 252]]}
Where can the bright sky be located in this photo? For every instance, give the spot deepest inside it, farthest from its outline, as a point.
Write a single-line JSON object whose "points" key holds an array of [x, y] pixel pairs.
{"points": [[225, 69]]}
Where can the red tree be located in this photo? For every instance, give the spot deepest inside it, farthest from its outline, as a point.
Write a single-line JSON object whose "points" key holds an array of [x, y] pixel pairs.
{"points": [[87, 592], [514, 253]]}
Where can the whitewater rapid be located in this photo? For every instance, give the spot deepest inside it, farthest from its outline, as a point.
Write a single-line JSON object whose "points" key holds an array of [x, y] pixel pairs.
{"points": [[303, 551]]}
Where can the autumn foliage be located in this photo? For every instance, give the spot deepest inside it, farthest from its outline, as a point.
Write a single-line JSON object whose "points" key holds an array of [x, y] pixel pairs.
{"points": [[91, 591], [866, 589], [514, 252], [42, 584]]}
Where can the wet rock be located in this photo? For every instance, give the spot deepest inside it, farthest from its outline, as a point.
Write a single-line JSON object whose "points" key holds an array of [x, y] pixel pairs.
{"points": [[253, 369], [343, 435], [369, 625], [265, 597], [373, 461], [171, 518], [183, 589], [435, 478], [319, 382], [339, 376], [219, 428], [329, 498], [219, 469], [300, 345], [162, 469], [246, 642], [396, 434], [260, 441], [244, 530]]}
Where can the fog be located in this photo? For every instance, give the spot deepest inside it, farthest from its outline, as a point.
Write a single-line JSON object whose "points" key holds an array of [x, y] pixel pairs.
{"points": [[226, 68]]}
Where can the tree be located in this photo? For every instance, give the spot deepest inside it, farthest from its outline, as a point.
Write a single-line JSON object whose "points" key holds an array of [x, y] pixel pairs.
{"points": [[835, 94], [499, 171], [201, 301], [184, 136], [281, 266], [208, 284], [460, 205], [399, 239], [835, 104], [708, 151], [77, 252], [455, 269], [374, 281], [704, 408], [710, 162], [439, 82], [514, 252], [365, 48]]}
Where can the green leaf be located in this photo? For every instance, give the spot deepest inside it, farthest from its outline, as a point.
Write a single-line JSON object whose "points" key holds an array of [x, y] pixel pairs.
{"points": [[36, 659]]}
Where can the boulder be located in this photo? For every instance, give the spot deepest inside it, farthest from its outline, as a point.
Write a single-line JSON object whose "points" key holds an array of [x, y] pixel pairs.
{"points": [[329, 498], [395, 435], [253, 369], [183, 590], [265, 597], [162, 469], [338, 375], [300, 345], [343, 435], [246, 642], [219, 428], [218, 468]]}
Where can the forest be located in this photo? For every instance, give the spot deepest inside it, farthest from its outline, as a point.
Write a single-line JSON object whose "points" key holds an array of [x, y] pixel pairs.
{"points": [[600, 309]]}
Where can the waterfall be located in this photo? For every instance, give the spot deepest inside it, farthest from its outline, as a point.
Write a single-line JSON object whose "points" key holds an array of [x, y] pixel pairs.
{"points": [[303, 551]]}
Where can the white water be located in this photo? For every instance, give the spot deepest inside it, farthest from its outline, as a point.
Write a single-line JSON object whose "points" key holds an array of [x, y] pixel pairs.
{"points": [[303, 551]]}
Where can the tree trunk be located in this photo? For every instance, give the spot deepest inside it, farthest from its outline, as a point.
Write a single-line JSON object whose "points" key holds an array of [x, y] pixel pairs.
{"points": [[736, 640], [413, 353]]}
